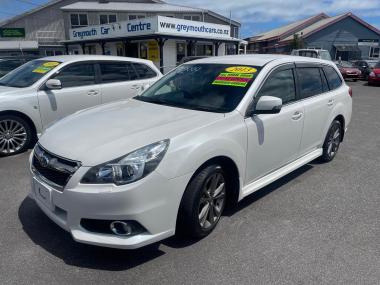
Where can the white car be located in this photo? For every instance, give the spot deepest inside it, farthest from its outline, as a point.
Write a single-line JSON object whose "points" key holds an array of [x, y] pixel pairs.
{"points": [[314, 53], [45, 90], [207, 134]]}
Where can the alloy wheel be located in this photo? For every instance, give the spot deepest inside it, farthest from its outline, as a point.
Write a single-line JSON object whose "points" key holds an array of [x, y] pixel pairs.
{"points": [[13, 136], [333, 141], [212, 201]]}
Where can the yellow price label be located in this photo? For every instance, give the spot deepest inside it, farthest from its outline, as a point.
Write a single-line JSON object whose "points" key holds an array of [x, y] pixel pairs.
{"points": [[51, 64], [241, 69]]}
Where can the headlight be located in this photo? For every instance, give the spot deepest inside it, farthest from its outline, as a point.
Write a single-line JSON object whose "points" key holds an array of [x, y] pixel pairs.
{"points": [[129, 168]]}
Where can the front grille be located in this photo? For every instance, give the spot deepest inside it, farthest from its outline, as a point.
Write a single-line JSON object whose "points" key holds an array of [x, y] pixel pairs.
{"points": [[54, 170]]}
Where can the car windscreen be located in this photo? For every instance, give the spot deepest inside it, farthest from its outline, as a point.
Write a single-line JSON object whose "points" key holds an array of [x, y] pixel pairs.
{"points": [[28, 74], [308, 53], [206, 87]]}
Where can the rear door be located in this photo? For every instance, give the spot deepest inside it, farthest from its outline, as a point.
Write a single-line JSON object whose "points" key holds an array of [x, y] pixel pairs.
{"points": [[318, 102], [123, 79], [80, 90], [274, 139]]}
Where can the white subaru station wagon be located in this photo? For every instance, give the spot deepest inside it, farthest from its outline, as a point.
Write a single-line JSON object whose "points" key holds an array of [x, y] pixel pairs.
{"points": [[45, 90], [204, 136]]}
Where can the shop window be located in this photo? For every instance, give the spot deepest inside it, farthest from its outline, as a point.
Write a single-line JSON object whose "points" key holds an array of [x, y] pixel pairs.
{"points": [[234, 32], [181, 51], [202, 50], [134, 17], [230, 49], [144, 50], [107, 19], [78, 20], [374, 52], [119, 49], [192, 18]]}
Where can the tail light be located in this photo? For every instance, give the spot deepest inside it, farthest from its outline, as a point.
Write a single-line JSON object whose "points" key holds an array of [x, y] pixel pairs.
{"points": [[350, 91]]}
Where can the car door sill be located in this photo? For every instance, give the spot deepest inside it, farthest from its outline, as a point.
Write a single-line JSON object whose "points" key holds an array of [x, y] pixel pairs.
{"points": [[273, 176]]}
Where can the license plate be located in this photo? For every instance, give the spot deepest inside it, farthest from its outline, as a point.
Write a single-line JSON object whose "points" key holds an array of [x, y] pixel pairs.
{"points": [[43, 194]]}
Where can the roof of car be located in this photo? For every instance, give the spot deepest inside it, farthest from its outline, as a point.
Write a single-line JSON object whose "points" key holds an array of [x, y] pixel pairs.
{"points": [[81, 57], [256, 59]]}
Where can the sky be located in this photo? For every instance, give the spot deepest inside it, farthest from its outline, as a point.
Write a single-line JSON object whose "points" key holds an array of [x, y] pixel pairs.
{"points": [[256, 16]]}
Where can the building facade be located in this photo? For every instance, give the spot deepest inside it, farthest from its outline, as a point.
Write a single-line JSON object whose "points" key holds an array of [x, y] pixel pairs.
{"points": [[346, 37], [53, 29]]}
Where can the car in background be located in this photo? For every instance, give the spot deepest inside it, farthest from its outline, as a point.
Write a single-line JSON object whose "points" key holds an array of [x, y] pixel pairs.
{"points": [[206, 135], [365, 66], [7, 64], [374, 76], [314, 53], [45, 90], [348, 70]]}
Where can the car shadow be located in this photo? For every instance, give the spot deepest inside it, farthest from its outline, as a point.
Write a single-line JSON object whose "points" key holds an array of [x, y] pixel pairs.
{"points": [[45, 233]]}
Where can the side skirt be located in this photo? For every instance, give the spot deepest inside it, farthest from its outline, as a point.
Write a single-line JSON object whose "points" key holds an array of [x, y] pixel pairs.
{"points": [[277, 174]]}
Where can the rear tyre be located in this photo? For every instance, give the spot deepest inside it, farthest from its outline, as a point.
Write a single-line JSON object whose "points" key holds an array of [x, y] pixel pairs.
{"points": [[15, 135], [332, 141], [202, 203]]}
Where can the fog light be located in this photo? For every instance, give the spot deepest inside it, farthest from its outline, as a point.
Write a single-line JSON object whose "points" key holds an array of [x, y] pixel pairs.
{"points": [[121, 228]]}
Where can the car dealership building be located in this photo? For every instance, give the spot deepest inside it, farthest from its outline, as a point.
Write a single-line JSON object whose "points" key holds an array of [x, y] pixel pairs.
{"points": [[345, 36], [150, 29]]}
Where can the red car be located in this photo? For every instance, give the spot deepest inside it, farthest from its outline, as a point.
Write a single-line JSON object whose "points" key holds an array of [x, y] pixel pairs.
{"points": [[349, 71], [374, 76]]}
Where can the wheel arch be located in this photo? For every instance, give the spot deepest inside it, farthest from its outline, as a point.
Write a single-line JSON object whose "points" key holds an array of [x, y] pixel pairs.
{"points": [[232, 172], [25, 117]]}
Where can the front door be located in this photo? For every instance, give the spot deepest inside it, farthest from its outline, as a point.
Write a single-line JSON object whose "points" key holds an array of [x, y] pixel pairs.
{"points": [[274, 139], [79, 91]]}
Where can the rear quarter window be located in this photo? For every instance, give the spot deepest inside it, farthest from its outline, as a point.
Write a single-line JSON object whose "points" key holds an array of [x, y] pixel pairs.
{"points": [[332, 77]]}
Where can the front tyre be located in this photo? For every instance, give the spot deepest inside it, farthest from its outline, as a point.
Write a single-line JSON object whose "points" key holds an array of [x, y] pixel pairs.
{"points": [[15, 135], [332, 141], [202, 203]]}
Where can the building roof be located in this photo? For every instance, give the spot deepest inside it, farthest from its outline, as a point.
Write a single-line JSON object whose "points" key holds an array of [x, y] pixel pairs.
{"points": [[130, 7], [292, 27]]}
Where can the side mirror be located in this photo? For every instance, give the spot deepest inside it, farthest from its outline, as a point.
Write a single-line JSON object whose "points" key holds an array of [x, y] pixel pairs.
{"points": [[53, 84], [268, 105]]}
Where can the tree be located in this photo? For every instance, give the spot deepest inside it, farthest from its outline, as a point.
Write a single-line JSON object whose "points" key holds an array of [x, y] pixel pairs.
{"points": [[297, 42]]}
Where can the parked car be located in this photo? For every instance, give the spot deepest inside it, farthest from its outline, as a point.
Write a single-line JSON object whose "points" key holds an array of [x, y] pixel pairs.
{"points": [[206, 135], [348, 71], [45, 90], [314, 53], [365, 66], [374, 76], [7, 64], [191, 58]]}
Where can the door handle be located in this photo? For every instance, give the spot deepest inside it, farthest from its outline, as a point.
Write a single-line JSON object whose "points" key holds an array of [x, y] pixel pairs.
{"points": [[330, 102], [92, 93], [297, 115]]}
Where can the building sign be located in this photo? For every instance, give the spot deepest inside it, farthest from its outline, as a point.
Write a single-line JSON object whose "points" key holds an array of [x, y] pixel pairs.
{"points": [[12, 32], [157, 24], [368, 42]]}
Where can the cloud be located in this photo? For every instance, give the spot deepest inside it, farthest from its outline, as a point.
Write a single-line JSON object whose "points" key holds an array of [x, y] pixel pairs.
{"points": [[249, 12]]}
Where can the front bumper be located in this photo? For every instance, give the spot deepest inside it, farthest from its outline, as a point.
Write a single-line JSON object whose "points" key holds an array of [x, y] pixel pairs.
{"points": [[152, 202]]}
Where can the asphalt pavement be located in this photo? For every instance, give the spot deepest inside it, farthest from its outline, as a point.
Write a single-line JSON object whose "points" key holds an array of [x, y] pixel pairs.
{"points": [[318, 225]]}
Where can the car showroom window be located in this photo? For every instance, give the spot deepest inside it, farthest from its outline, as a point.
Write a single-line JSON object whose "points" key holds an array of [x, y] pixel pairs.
{"points": [[117, 72], [280, 84], [310, 81], [77, 75], [78, 20], [144, 71], [333, 77]]}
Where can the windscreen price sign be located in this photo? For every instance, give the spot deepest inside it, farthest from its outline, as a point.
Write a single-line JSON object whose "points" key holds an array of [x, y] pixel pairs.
{"points": [[12, 32]]}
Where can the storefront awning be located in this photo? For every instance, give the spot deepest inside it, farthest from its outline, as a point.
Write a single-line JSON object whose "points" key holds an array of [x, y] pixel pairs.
{"points": [[347, 47], [18, 45]]}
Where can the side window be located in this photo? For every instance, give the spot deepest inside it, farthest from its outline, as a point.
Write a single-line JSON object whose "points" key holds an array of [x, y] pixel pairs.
{"points": [[77, 75], [117, 72], [333, 78], [280, 84], [310, 81], [324, 81], [144, 71]]}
